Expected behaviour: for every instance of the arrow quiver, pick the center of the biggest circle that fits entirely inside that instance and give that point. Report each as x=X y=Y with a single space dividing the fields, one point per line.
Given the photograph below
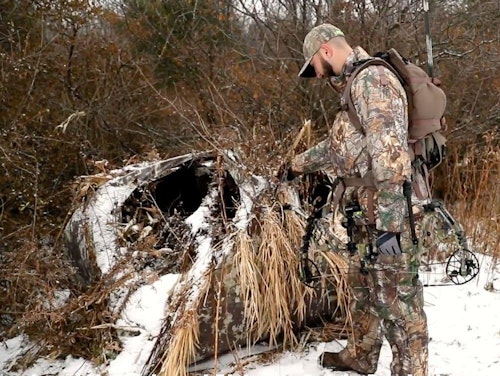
x=407 y=193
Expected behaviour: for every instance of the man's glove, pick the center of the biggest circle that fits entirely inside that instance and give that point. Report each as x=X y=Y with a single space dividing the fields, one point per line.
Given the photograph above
x=285 y=173
x=388 y=243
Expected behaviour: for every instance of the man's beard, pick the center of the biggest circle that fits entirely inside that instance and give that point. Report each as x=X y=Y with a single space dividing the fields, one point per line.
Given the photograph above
x=332 y=79
x=327 y=68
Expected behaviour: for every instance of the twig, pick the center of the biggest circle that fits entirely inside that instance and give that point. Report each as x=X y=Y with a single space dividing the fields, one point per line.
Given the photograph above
x=244 y=362
x=75 y=115
x=112 y=326
x=305 y=127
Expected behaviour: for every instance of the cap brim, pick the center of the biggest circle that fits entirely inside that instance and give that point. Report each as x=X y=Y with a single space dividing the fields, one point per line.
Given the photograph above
x=307 y=70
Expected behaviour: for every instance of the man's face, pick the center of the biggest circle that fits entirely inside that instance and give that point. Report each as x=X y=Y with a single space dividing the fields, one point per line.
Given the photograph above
x=322 y=68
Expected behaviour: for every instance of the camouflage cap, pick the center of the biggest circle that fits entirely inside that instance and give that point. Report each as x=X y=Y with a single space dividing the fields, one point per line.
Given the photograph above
x=313 y=41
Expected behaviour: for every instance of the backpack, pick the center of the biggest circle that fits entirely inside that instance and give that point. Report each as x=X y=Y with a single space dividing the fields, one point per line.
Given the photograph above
x=426 y=106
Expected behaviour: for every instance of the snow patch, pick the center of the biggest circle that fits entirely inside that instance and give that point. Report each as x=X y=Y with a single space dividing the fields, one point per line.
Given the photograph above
x=144 y=311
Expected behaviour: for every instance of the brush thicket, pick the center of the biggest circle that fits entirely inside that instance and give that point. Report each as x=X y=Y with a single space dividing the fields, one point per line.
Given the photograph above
x=475 y=198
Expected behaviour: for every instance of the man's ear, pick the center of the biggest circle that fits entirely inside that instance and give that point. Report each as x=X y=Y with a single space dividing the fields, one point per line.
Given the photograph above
x=326 y=51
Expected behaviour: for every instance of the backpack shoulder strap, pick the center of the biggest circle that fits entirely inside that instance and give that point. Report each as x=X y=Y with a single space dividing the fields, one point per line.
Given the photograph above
x=346 y=99
x=348 y=106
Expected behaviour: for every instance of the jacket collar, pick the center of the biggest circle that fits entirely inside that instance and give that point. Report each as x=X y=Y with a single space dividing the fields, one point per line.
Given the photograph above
x=338 y=83
x=356 y=55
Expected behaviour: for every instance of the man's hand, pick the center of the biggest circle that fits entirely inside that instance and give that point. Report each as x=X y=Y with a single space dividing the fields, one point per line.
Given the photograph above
x=388 y=243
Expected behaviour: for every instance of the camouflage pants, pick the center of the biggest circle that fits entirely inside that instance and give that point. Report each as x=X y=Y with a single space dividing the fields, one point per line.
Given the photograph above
x=388 y=300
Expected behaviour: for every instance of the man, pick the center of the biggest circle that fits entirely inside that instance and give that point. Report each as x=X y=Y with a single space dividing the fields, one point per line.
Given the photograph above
x=388 y=296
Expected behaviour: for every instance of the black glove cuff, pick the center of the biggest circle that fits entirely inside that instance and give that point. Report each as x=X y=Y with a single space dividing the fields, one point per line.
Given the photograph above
x=290 y=174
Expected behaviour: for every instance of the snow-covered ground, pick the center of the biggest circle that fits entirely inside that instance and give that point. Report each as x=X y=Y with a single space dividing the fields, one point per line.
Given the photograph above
x=464 y=327
x=464 y=330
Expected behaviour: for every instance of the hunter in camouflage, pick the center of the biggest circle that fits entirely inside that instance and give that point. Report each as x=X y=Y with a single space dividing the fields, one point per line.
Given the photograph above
x=388 y=296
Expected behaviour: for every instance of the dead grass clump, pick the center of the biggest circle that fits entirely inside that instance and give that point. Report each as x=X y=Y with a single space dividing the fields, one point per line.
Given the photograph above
x=337 y=276
x=245 y=260
x=473 y=191
x=268 y=263
x=182 y=346
x=280 y=289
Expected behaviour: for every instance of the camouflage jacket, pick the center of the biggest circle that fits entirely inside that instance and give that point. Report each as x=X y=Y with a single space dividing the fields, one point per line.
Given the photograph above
x=346 y=152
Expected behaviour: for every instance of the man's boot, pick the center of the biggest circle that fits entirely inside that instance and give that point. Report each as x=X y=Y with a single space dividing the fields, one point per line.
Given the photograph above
x=335 y=362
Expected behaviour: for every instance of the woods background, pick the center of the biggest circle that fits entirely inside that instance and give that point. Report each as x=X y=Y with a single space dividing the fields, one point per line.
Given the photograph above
x=88 y=85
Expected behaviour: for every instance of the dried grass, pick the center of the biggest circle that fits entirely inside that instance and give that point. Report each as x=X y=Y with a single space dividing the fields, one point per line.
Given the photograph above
x=337 y=276
x=182 y=346
x=268 y=261
x=81 y=325
x=273 y=295
x=281 y=288
x=176 y=345
x=475 y=196
x=294 y=226
x=245 y=261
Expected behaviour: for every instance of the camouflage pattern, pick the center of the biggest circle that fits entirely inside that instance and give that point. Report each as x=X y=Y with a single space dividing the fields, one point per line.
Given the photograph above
x=388 y=299
x=312 y=42
x=439 y=239
x=384 y=150
x=388 y=295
